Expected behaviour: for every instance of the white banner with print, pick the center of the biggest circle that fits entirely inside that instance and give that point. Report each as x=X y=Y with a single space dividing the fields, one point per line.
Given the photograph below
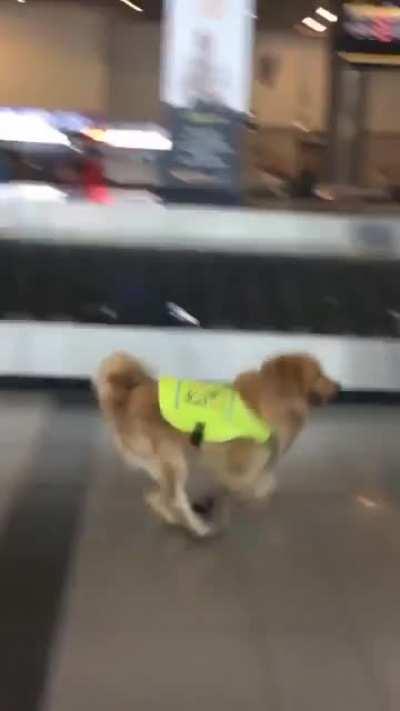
x=206 y=85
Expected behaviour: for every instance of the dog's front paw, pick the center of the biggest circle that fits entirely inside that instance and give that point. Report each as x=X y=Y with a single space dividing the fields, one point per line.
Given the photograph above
x=214 y=510
x=204 y=507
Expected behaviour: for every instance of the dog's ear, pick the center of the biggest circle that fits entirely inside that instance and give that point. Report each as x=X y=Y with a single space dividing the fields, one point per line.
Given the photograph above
x=288 y=376
x=309 y=374
x=319 y=389
x=298 y=376
x=323 y=391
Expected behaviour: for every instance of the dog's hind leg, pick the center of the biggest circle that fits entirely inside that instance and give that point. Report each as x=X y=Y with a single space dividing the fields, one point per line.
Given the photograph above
x=265 y=487
x=190 y=519
x=170 y=500
x=156 y=500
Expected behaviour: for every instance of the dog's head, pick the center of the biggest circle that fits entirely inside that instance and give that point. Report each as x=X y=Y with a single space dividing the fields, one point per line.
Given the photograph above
x=299 y=377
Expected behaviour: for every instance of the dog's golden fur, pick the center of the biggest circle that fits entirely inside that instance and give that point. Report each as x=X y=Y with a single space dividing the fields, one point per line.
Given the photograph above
x=282 y=391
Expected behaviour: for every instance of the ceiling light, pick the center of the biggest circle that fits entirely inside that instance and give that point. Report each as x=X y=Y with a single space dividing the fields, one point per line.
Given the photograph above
x=29 y=128
x=39 y=192
x=326 y=14
x=131 y=138
x=22 y=1
x=313 y=24
x=96 y=134
x=137 y=139
x=131 y=5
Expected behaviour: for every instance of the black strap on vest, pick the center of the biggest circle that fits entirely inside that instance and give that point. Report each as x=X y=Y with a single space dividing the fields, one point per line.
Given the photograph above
x=197 y=436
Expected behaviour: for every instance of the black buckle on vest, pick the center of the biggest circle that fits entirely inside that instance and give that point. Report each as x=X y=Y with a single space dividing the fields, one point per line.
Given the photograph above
x=197 y=435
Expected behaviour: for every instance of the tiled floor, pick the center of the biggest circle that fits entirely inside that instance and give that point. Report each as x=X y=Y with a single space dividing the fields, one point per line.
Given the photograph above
x=295 y=608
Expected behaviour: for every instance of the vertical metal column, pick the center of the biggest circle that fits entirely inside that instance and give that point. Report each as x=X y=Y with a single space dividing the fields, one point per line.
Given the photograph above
x=110 y=39
x=346 y=132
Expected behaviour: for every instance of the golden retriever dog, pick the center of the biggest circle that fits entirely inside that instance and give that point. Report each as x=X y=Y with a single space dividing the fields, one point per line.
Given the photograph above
x=281 y=393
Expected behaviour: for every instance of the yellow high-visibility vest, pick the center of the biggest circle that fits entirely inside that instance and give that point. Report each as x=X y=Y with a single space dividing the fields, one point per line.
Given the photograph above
x=215 y=407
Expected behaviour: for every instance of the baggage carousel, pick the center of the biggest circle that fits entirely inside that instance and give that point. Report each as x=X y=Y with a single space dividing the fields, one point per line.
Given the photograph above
x=199 y=292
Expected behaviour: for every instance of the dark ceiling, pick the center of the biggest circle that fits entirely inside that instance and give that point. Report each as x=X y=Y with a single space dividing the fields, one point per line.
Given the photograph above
x=276 y=14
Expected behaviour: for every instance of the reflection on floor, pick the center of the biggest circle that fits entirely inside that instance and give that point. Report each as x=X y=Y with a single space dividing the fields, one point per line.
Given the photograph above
x=295 y=607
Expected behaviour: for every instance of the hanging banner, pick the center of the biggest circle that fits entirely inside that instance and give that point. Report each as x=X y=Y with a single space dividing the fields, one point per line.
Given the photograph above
x=369 y=33
x=206 y=85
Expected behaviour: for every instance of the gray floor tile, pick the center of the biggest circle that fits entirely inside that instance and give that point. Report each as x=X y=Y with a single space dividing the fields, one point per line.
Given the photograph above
x=295 y=608
x=22 y=421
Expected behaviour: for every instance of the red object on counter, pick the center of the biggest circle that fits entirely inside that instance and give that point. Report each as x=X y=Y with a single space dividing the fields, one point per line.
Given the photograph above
x=93 y=182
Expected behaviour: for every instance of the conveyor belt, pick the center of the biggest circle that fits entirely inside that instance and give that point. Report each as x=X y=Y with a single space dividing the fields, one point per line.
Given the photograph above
x=222 y=291
x=199 y=292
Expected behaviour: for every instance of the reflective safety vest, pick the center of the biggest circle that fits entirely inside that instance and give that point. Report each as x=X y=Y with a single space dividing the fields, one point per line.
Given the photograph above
x=217 y=409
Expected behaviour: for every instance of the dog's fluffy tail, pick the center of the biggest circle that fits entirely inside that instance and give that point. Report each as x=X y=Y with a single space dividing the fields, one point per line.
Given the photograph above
x=118 y=376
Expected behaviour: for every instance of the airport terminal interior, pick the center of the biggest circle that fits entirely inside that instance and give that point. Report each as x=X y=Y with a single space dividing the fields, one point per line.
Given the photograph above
x=204 y=186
